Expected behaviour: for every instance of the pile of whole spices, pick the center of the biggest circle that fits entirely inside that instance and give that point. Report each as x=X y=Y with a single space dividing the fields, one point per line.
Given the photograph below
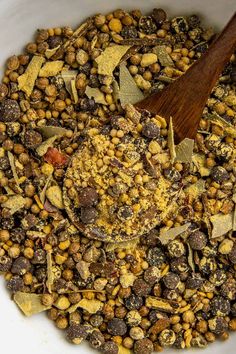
x=79 y=165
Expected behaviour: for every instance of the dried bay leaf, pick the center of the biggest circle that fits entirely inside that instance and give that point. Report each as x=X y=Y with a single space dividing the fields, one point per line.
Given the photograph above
x=129 y=91
x=27 y=80
x=110 y=58
x=199 y=161
x=51 y=68
x=190 y=258
x=42 y=195
x=196 y=189
x=50 y=52
x=234 y=219
x=169 y=235
x=30 y=304
x=50 y=130
x=184 y=150
x=42 y=149
x=50 y=276
x=13 y=169
x=163 y=57
x=171 y=143
x=14 y=203
x=74 y=92
x=96 y=94
x=221 y=224
x=54 y=195
x=92 y=306
x=68 y=76
x=116 y=91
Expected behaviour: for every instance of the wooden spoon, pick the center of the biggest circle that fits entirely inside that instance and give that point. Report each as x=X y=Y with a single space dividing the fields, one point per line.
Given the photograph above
x=185 y=99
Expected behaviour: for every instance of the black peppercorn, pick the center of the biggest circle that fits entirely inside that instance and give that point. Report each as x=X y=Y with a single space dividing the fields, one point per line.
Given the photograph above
x=197 y=240
x=156 y=257
x=76 y=333
x=17 y=235
x=143 y=346
x=133 y=302
x=32 y=139
x=171 y=280
x=54 y=41
x=141 y=288
x=147 y=25
x=217 y=325
x=219 y=174
x=116 y=327
x=4 y=163
x=15 y=284
x=109 y=348
x=150 y=130
x=129 y=32
x=87 y=197
x=9 y=111
x=220 y=306
x=96 y=339
x=21 y=266
x=39 y=257
x=5 y=263
x=193 y=21
x=172 y=174
x=218 y=277
x=88 y=215
x=159 y=16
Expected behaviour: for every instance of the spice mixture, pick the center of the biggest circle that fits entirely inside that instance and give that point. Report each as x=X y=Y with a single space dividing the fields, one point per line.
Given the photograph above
x=79 y=165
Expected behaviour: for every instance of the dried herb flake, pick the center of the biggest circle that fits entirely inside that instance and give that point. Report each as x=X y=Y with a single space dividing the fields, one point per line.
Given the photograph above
x=92 y=306
x=27 y=80
x=43 y=148
x=50 y=52
x=110 y=58
x=199 y=161
x=96 y=94
x=68 y=76
x=163 y=57
x=184 y=150
x=50 y=276
x=221 y=224
x=171 y=143
x=51 y=68
x=30 y=304
x=14 y=203
x=196 y=189
x=129 y=91
x=190 y=258
x=13 y=169
x=49 y=131
x=169 y=235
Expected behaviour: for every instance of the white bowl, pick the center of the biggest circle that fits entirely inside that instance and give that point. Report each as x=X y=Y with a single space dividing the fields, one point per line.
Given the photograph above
x=18 y=21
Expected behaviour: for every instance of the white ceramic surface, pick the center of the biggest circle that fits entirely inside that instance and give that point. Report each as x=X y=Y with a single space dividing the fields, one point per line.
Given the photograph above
x=18 y=20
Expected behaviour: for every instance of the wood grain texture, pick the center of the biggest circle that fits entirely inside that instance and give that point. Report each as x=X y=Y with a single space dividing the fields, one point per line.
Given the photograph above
x=186 y=97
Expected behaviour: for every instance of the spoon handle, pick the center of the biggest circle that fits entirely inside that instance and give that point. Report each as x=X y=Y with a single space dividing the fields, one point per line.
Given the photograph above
x=185 y=99
x=211 y=64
